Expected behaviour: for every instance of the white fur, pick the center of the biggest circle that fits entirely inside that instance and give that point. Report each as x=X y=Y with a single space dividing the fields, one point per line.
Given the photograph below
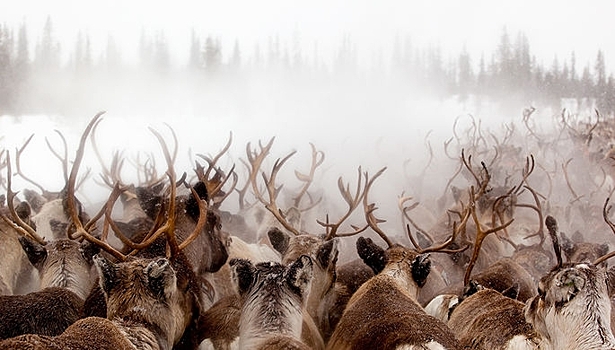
x=521 y=342
x=440 y=305
x=432 y=345
x=50 y=210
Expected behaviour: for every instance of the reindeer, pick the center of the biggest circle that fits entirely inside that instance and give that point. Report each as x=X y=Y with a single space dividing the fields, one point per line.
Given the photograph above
x=323 y=251
x=483 y=317
x=16 y=274
x=384 y=313
x=160 y=250
x=572 y=309
x=144 y=305
x=273 y=296
x=64 y=268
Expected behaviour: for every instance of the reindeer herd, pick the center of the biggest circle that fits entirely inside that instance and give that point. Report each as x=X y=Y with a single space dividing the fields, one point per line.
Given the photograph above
x=513 y=254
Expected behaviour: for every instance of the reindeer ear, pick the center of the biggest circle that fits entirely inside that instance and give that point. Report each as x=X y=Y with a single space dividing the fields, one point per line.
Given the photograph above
x=566 y=285
x=299 y=275
x=421 y=266
x=279 y=240
x=36 y=252
x=603 y=249
x=327 y=253
x=192 y=206
x=88 y=250
x=149 y=200
x=371 y=253
x=107 y=273
x=242 y=272
x=24 y=211
x=160 y=277
x=512 y=291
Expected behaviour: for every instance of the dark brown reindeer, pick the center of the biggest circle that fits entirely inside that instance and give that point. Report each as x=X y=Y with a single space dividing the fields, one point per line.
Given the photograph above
x=384 y=313
x=273 y=298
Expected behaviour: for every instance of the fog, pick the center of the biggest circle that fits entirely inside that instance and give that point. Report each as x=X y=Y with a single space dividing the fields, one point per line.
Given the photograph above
x=365 y=116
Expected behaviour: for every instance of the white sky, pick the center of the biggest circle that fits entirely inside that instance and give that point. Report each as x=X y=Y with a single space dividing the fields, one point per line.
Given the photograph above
x=553 y=27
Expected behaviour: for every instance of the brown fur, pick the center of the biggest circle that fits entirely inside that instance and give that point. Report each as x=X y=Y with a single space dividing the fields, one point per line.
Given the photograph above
x=488 y=320
x=92 y=333
x=384 y=313
x=187 y=284
x=220 y=323
x=144 y=311
x=48 y=312
x=350 y=277
x=504 y=276
x=283 y=342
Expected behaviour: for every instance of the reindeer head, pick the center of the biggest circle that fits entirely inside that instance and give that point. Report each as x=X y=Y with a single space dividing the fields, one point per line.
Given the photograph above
x=566 y=296
x=273 y=295
x=62 y=263
x=572 y=308
x=144 y=291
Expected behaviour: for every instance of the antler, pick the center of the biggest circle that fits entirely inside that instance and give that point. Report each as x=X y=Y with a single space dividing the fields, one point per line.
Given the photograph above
x=480 y=236
x=110 y=175
x=442 y=247
x=605 y=214
x=255 y=160
x=62 y=158
x=370 y=208
x=18 y=152
x=353 y=201
x=481 y=183
x=214 y=184
x=401 y=205
x=273 y=193
x=82 y=230
x=318 y=157
x=18 y=224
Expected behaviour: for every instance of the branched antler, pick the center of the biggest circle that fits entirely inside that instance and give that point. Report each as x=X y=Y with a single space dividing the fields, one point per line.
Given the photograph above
x=17 y=223
x=273 y=191
x=352 y=200
x=481 y=234
x=318 y=157
x=405 y=211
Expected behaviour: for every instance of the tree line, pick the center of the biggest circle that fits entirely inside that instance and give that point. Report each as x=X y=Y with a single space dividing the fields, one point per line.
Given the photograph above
x=42 y=82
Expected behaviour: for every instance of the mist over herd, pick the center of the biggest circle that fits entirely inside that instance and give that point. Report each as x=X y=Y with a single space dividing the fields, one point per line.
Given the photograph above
x=291 y=193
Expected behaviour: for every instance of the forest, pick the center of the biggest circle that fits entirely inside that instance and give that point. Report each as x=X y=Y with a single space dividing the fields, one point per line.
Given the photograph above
x=44 y=77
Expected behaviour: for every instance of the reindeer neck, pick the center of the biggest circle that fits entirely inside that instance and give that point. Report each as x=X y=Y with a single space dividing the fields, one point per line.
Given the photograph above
x=142 y=335
x=272 y=313
x=62 y=274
